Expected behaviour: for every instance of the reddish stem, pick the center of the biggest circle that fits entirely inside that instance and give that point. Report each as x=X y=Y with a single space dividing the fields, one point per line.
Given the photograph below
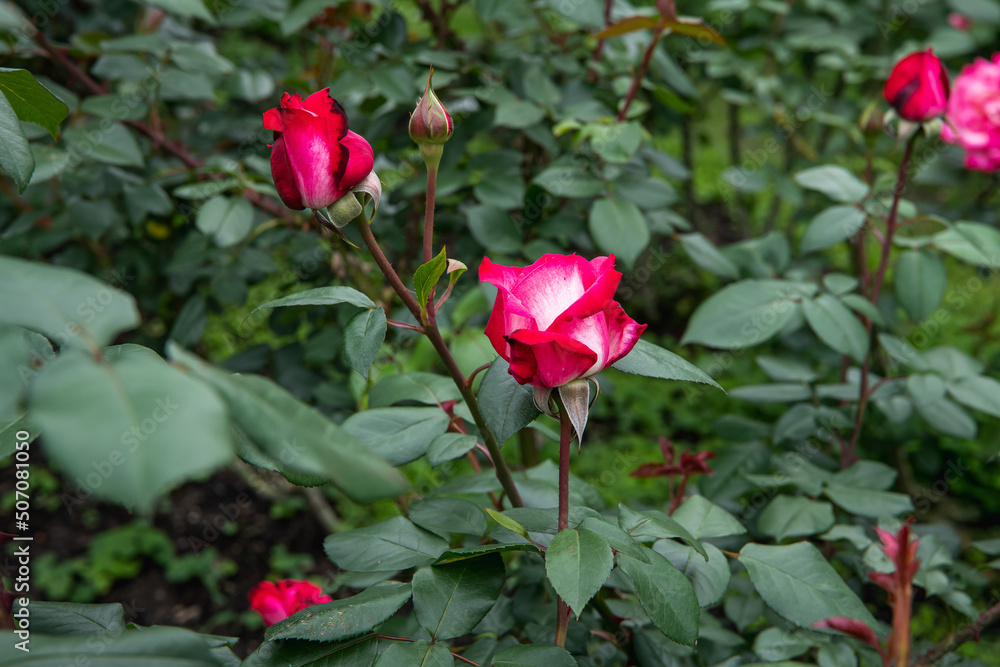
x=641 y=72
x=565 y=439
x=848 y=455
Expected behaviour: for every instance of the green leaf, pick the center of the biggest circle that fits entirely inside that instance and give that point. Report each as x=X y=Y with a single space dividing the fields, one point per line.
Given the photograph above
x=704 y=519
x=836 y=326
x=867 y=474
x=745 y=313
x=451 y=600
x=788 y=516
x=31 y=101
x=462 y=553
x=426 y=277
x=150 y=647
x=533 y=655
x=506 y=405
x=363 y=338
x=616 y=538
x=577 y=564
x=863 y=306
x=298 y=437
x=302 y=13
x=225 y=219
x=416 y=654
x=774 y=644
x=655 y=525
x=131 y=428
x=919 y=280
x=70 y=618
x=16 y=157
x=666 y=595
x=710 y=578
x=798 y=583
x=902 y=352
x=449 y=446
x=393 y=544
x=835 y=182
x=836 y=655
x=947 y=417
x=343 y=619
x=507 y=522
x=445 y=516
x=304 y=653
x=654 y=361
x=494 y=229
x=115 y=145
x=704 y=253
x=775 y=392
x=518 y=114
x=569 y=182
x=426 y=388
x=977 y=392
x=617 y=227
x=971 y=242
x=831 y=226
x=399 y=435
x=22 y=354
x=868 y=502
x=321 y=296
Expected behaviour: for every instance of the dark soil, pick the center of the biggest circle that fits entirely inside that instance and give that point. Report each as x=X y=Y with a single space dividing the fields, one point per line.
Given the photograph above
x=190 y=519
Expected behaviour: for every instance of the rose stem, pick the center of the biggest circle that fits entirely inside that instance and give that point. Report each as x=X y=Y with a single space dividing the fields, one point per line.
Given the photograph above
x=848 y=454
x=565 y=438
x=641 y=72
x=434 y=334
x=432 y=174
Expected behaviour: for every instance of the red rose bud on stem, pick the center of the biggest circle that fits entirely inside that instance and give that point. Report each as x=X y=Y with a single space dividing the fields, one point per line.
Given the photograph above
x=315 y=159
x=430 y=125
x=917 y=88
x=276 y=601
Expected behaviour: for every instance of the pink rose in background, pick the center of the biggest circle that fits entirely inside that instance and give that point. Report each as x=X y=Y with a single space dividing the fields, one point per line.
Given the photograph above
x=315 y=159
x=973 y=117
x=276 y=601
x=959 y=21
x=556 y=320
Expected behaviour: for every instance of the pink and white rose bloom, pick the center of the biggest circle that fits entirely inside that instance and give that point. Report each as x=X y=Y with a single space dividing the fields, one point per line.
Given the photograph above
x=973 y=117
x=556 y=320
x=315 y=159
x=277 y=600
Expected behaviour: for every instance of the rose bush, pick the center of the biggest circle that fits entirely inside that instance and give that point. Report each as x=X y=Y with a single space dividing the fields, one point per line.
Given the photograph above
x=315 y=159
x=556 y=320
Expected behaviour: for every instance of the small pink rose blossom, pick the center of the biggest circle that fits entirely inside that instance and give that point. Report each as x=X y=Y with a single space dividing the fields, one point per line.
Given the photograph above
x=276 y=601
x=959 y=21
x=973 y=118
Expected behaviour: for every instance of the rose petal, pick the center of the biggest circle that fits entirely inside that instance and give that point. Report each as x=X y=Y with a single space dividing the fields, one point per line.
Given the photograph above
x=284 y=181
x=546 y=359
x=623 y=332
x=546 y=294
x=360 y=161
x=315 y=161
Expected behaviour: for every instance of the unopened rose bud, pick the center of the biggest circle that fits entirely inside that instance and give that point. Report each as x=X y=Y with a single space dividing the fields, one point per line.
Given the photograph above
x=871 y=121
x=430 y=125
